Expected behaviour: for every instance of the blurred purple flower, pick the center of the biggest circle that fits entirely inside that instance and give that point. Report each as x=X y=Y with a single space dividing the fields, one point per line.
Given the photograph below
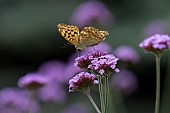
x=70 y=71
x=156 y=27
x=156 y=43
x=13 y=100
x=82 y=82
x=52 y=93
x=102 y=47
x=54 y=70
x=125 y=81
x=75 y=108
x=32 y=81
x=127 y=54
x=91 y=11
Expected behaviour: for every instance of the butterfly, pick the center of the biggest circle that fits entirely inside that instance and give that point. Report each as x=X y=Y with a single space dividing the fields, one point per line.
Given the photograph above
x=87 y=37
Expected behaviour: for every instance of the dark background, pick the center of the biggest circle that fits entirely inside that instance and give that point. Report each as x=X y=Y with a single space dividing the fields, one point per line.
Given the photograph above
x=28 y=37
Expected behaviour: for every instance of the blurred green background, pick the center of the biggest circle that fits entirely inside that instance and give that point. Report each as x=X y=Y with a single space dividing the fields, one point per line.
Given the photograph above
x=28 y=37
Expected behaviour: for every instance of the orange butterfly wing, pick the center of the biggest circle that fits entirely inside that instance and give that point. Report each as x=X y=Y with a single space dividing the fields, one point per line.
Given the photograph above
x=69 y=32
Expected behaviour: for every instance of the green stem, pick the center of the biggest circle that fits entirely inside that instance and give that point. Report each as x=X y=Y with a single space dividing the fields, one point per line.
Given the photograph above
x=31 y=97
x=106 y=93
x=101 y=94
x=157 y=101
x=93 y=103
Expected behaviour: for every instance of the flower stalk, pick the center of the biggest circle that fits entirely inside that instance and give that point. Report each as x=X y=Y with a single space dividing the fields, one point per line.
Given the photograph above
x=101 y=94
x=31 y=97
x=157 y=44
x=92 y=102
x=106 y=93
x=157 y=101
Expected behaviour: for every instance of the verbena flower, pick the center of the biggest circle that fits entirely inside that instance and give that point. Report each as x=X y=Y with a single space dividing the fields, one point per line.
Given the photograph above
x=71 y=70
x=32 y=81
x=52 y=92
x=13 y=100
x=93 y=11
x=85 y=60
x=126 y=54
x=82 y=82
x=104 y=64
x=125 y=81
x=82 y=61
x=53 y=70
x=156 y=43
x=156 y=27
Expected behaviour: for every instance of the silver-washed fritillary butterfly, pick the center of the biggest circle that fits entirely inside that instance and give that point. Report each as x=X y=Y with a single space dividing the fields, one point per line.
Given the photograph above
x=87 y=37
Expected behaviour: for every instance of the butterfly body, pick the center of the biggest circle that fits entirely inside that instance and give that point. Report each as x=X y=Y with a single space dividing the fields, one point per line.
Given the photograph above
x=87 y=37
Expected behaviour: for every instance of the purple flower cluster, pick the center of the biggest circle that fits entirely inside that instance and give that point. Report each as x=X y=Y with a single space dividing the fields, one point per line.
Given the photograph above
x=52 y=92
x=13 y=100
x=99 y=61
x=53 y=70
x=82 y=82
x=50 y=80
x=85 y=60
x=104 y=64
x=125 y=81
x=156 y=43
x=91 y=11
x=126 y=54
x=156 y=27
x=32 y=81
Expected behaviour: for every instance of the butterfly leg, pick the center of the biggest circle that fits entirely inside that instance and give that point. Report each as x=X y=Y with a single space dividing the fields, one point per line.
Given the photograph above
x=77 y=52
